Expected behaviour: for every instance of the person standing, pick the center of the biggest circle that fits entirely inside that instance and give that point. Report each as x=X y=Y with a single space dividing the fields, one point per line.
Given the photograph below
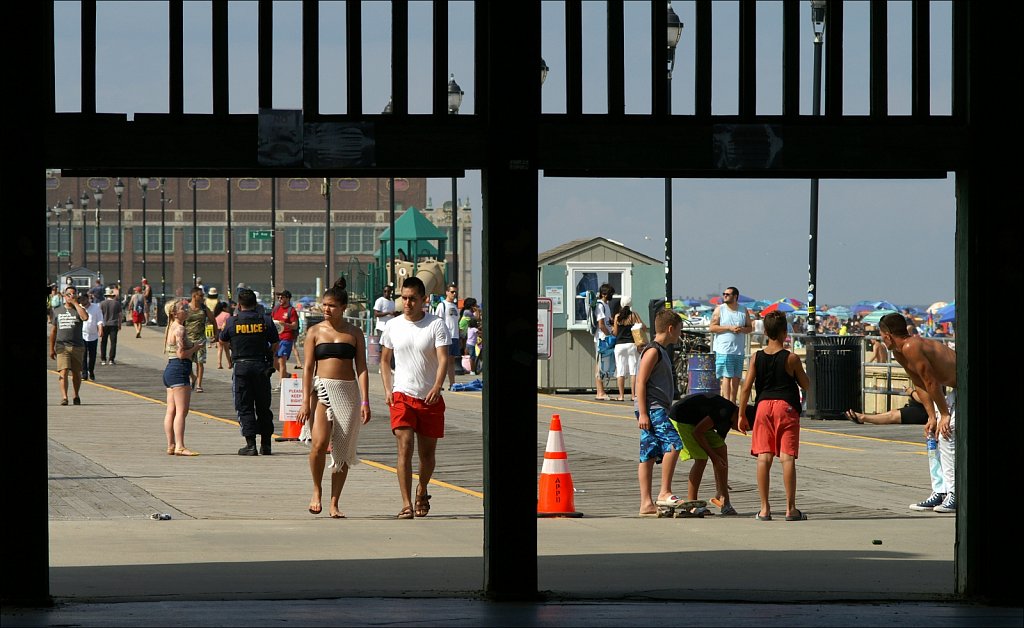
x=335 y=396
x=659 y=440
x=199 y=316
x=137 y=306
x=775 y=373
x=448 y=311
x=111 y=325
x=251 y=339
x=96 y=291
x=147 y=294
x=384 y=309
x=67 y=346
x=931 y=366
x=177 y=377
x=287 y=321
x=603 y=314
x=730 y=325
x=420 y=343
x=212 y=299
x=627 y=354
x=221 y=315
x=91 y=334
x=53 y=301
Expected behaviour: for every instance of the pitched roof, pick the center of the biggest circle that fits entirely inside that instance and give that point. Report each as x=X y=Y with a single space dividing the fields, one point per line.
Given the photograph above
x=564 y=252
x=413 y=225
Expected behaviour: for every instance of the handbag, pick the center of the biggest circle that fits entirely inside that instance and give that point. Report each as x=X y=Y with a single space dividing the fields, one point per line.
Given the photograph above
x=639 y=335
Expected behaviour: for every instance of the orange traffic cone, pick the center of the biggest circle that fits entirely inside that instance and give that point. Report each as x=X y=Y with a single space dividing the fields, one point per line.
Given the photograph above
x=291 y=429
x=556 y=491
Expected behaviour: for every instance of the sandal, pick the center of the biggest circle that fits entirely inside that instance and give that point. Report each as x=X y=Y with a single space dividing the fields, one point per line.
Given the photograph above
x=850 y=414
x=199 y=389
x=170 y=450
x=185 y=451
x=602 y=398
x=405 y=513
x=422 y=505
x=315 y=508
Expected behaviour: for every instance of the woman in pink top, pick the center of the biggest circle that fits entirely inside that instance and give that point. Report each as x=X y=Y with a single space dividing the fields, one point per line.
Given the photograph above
x=220 y=312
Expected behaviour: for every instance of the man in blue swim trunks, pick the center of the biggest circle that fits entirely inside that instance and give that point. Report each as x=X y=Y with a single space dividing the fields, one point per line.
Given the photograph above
x=730 y=324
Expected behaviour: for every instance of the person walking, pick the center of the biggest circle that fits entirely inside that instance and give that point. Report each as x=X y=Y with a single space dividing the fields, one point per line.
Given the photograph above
x=448 y=311
x=91 y=334
x=775 y=373
x=420 y=343
x=384 y=309
x=627 y=354
x=147 y=295
x=251 y=339
x=287 y=321
x=177 y=377
x=67 y=346
x=335 y=396
x=730 y=325
x=931 y=366
x=199 y=317
x=110 y=327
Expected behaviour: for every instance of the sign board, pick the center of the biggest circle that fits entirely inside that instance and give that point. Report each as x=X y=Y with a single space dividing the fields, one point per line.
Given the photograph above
x=544 y=327
x=63 y=253
x=260 y=234
x=291 y=399
x=555 y=293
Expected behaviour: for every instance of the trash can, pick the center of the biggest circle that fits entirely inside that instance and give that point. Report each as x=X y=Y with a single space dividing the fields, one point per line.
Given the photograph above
x=837 y=374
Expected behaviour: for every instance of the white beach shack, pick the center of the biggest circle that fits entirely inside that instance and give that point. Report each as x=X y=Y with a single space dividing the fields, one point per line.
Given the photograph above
x=570 y=275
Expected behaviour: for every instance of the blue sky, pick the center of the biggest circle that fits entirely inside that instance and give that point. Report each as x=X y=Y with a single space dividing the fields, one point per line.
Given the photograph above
x=878 y=239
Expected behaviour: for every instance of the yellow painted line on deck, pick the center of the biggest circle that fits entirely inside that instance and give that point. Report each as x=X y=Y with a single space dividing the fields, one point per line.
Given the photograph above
x=235 y=423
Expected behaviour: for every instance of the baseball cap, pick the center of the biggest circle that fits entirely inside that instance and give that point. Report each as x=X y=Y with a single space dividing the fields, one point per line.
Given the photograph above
x=108 y=292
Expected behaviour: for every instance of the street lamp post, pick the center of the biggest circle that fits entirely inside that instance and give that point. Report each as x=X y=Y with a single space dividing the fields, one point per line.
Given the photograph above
x=325 y=191
x=273 y=236
x=51 y=211
x=455 y=94
x=84 y=201
x=818 y=26
x=231 y=286
x=388 y=109
x=68 y=206
x=98 y=195
x=144 y=184
x=119 y=190
x=195 y=236
x=675 y=30
x=163 y=249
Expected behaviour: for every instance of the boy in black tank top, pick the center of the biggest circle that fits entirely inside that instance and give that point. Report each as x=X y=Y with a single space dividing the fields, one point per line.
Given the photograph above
x=776 y=373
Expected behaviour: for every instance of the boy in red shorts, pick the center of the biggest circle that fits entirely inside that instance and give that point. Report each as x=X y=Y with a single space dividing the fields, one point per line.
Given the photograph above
x=775 y=373
x=420 y=344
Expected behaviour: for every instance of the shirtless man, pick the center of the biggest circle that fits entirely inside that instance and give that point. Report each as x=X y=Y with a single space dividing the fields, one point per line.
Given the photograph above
x=931 y=366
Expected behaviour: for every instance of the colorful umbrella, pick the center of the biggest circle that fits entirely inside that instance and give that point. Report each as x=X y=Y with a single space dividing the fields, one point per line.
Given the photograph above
x=872 y=318
x=781 y=306
x=946 y=314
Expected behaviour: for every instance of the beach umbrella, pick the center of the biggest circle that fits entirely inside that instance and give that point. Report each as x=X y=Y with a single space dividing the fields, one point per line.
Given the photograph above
x=760 y=304
x=867 y=306
x=935 y=307
x=781 y=306
x=799 y=313
x=692 y=302
x=745 y=299
x=839 y=311
x=796 y=303
x=872 y=318
x=946 y=314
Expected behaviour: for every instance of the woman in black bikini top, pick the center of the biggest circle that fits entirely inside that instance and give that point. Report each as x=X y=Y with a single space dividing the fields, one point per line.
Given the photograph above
x=335 y=395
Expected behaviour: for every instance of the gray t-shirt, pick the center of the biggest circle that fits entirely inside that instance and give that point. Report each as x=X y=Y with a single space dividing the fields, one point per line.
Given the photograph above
x=661 y=385
x=112 y=314
x=69 y=327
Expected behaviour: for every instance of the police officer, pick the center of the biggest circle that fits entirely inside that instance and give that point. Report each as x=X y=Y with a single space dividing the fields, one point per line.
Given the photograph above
x=251 y=339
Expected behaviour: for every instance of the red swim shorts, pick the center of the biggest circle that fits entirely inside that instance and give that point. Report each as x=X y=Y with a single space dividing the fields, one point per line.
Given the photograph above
x=776 y=429
x=425 y=420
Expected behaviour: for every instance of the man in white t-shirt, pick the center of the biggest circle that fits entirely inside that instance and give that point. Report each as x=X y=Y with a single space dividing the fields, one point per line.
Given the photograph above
x=448 y=311
x=420 y=343
x=384 y=309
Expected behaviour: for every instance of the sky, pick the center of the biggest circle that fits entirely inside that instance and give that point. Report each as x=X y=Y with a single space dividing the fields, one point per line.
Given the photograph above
x=878 y=239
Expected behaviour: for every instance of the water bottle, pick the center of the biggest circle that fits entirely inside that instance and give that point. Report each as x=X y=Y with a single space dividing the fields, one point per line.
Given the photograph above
x=932 y=444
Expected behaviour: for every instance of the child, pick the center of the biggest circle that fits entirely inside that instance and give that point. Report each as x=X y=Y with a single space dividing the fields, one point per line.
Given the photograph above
x=472 y=333
x=694 y=416
x=659 y=440
x=776 y=373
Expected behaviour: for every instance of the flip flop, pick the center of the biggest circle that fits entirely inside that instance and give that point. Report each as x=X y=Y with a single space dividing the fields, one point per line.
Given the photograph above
x=315 y=511
x=671 y=502
x=603 y=398
x=764 y=518
x=850 y=414
x=798 y=516
x=650 y=515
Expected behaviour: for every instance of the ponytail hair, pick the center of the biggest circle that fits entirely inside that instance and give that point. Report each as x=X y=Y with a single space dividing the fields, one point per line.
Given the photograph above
x=338 y=291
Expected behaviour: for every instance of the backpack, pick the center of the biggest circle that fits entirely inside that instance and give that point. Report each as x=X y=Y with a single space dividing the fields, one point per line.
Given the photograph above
x=140 y=305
